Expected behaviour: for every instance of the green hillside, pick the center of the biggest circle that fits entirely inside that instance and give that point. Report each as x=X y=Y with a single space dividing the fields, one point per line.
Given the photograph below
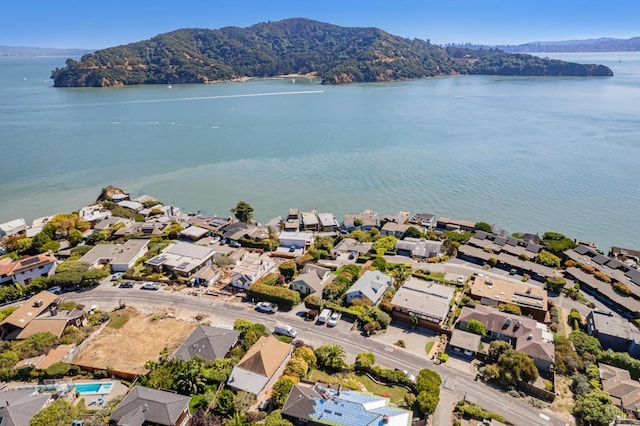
x=295 y=46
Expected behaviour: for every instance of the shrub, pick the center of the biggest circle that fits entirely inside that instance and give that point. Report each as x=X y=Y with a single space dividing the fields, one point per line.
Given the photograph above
x=492 y=261
x=57 y=370
x=555 y=284
x=401 y=343
x=510 y=308
x=313 y=302
x=588 y=269
x=548 y=259
x=284 y=297
x=602 y=276
x=622 y=288
x=444 y=357
x=569 y=263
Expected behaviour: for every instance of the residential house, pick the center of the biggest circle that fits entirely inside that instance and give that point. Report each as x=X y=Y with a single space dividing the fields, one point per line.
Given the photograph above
x=13 y=227
x=121 y=257
x=292 y=223
x=624 y=391
x=296 y=240
x=615 y=269
x=13 y=325
x=531 y=299
x=205 y=277
x=17 y=407
x=52 y=321
x=398 y=229
x=371 y=286
x=398 y=218
x=427 y=301
x=448 y=224
x=145 y=406
x=614 y=332
x=524 y=334
x=423 y=219
x=315 y=404
x=26 y=269
x=212 y=223
x=182 y=259
x=310 y=221
x=629 y=307
x=208 y=343
x=43 y=362
x=348 y=245
x=258 y=367
x=311 y=280
x=132 y=205
x=251 y=268
x=629 y=256
x=112 y=221
x=240 y=230
x=94 y=214
x=463 y=342
x=143 y=229
x=419 y=248
x=367 y=220
x=506 y=261
x=328 y=222
x=193 y=233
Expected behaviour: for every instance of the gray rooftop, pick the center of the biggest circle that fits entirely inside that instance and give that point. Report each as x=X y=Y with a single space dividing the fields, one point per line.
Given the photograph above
x=150 y=405
x=209 y=343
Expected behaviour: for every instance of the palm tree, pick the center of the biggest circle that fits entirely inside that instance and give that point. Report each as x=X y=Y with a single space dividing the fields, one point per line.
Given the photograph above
x=331 y=356
x=188 y=378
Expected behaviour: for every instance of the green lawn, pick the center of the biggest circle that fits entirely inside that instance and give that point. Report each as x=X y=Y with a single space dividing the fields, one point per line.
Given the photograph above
x=394 y=393
x=427 y=347
x=118 y=320
x=195 y=403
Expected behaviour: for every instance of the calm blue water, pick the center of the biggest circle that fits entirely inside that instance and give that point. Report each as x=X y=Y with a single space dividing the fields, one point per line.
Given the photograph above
x=528 y=154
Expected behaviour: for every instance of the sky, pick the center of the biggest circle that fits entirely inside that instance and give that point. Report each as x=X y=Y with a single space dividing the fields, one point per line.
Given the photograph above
x=97 y=25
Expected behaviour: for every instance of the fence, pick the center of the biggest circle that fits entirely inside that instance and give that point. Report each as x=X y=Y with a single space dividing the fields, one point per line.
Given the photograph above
x=83 y=345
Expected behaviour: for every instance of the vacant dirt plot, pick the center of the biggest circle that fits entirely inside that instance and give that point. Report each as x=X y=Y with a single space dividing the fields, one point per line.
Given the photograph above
x=141 y=339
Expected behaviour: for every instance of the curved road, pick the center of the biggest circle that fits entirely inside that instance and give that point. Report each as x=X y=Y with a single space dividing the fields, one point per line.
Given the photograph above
x=456 y=385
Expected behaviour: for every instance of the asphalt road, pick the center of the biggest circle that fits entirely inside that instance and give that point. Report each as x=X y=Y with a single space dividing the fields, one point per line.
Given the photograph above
x=457 y=385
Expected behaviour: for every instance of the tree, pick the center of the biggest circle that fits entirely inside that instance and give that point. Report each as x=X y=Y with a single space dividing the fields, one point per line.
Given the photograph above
x=384 y=244
x=288 y=269
x=549 y=259
x=59 y=413
x=281 y=390
x=297 y=367
x=476 y=327
x=225 y=403
x=365 y=360
x=243 y=212
x=74 y=237
x=427 y=402
x=595 y=408
x=516 y=367
x=483 y=226
x=510 y=308
x=497 y=348
x=275 y=419
x=243 y=401
x=306 y=353
x=411 y=232
x=330 y=356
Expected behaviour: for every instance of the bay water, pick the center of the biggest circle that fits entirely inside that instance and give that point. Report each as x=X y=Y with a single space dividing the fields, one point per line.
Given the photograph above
x=527 y=154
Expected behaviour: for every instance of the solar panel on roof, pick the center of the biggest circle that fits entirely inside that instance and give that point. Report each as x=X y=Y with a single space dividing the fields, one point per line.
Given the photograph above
x=156 y=261
x=30 y=261
x=582 y=249
x=529 y=295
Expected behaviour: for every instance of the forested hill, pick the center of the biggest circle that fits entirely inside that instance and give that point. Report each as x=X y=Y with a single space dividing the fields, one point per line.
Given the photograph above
x=295 y=46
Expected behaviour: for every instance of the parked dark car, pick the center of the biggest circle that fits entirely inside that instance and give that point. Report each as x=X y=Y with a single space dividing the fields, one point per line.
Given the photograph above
x=127 y=284
x=56 y=290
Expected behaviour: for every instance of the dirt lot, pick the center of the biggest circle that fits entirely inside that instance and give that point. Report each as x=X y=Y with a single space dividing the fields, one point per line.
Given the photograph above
x=141 y=339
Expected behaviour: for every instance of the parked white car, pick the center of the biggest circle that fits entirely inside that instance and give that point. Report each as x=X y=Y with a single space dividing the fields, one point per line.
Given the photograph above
x=333 y=319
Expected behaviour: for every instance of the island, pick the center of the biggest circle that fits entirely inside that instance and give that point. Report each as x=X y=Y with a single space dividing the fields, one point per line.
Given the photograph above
x=299 y=46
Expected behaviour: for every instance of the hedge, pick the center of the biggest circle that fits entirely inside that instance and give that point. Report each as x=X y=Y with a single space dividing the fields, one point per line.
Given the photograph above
x=283 y=297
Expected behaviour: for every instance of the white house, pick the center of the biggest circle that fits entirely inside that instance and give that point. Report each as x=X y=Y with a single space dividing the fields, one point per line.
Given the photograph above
x=250 y=269
x=297 y=240
x=371 y=285
x=120 y=256
x=13 y=227
x=27 y=269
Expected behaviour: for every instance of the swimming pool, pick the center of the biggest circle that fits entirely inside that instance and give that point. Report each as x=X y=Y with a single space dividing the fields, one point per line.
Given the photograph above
x=93 y=388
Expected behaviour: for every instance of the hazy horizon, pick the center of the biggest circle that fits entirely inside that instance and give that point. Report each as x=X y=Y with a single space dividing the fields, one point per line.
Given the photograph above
x=492 y=22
